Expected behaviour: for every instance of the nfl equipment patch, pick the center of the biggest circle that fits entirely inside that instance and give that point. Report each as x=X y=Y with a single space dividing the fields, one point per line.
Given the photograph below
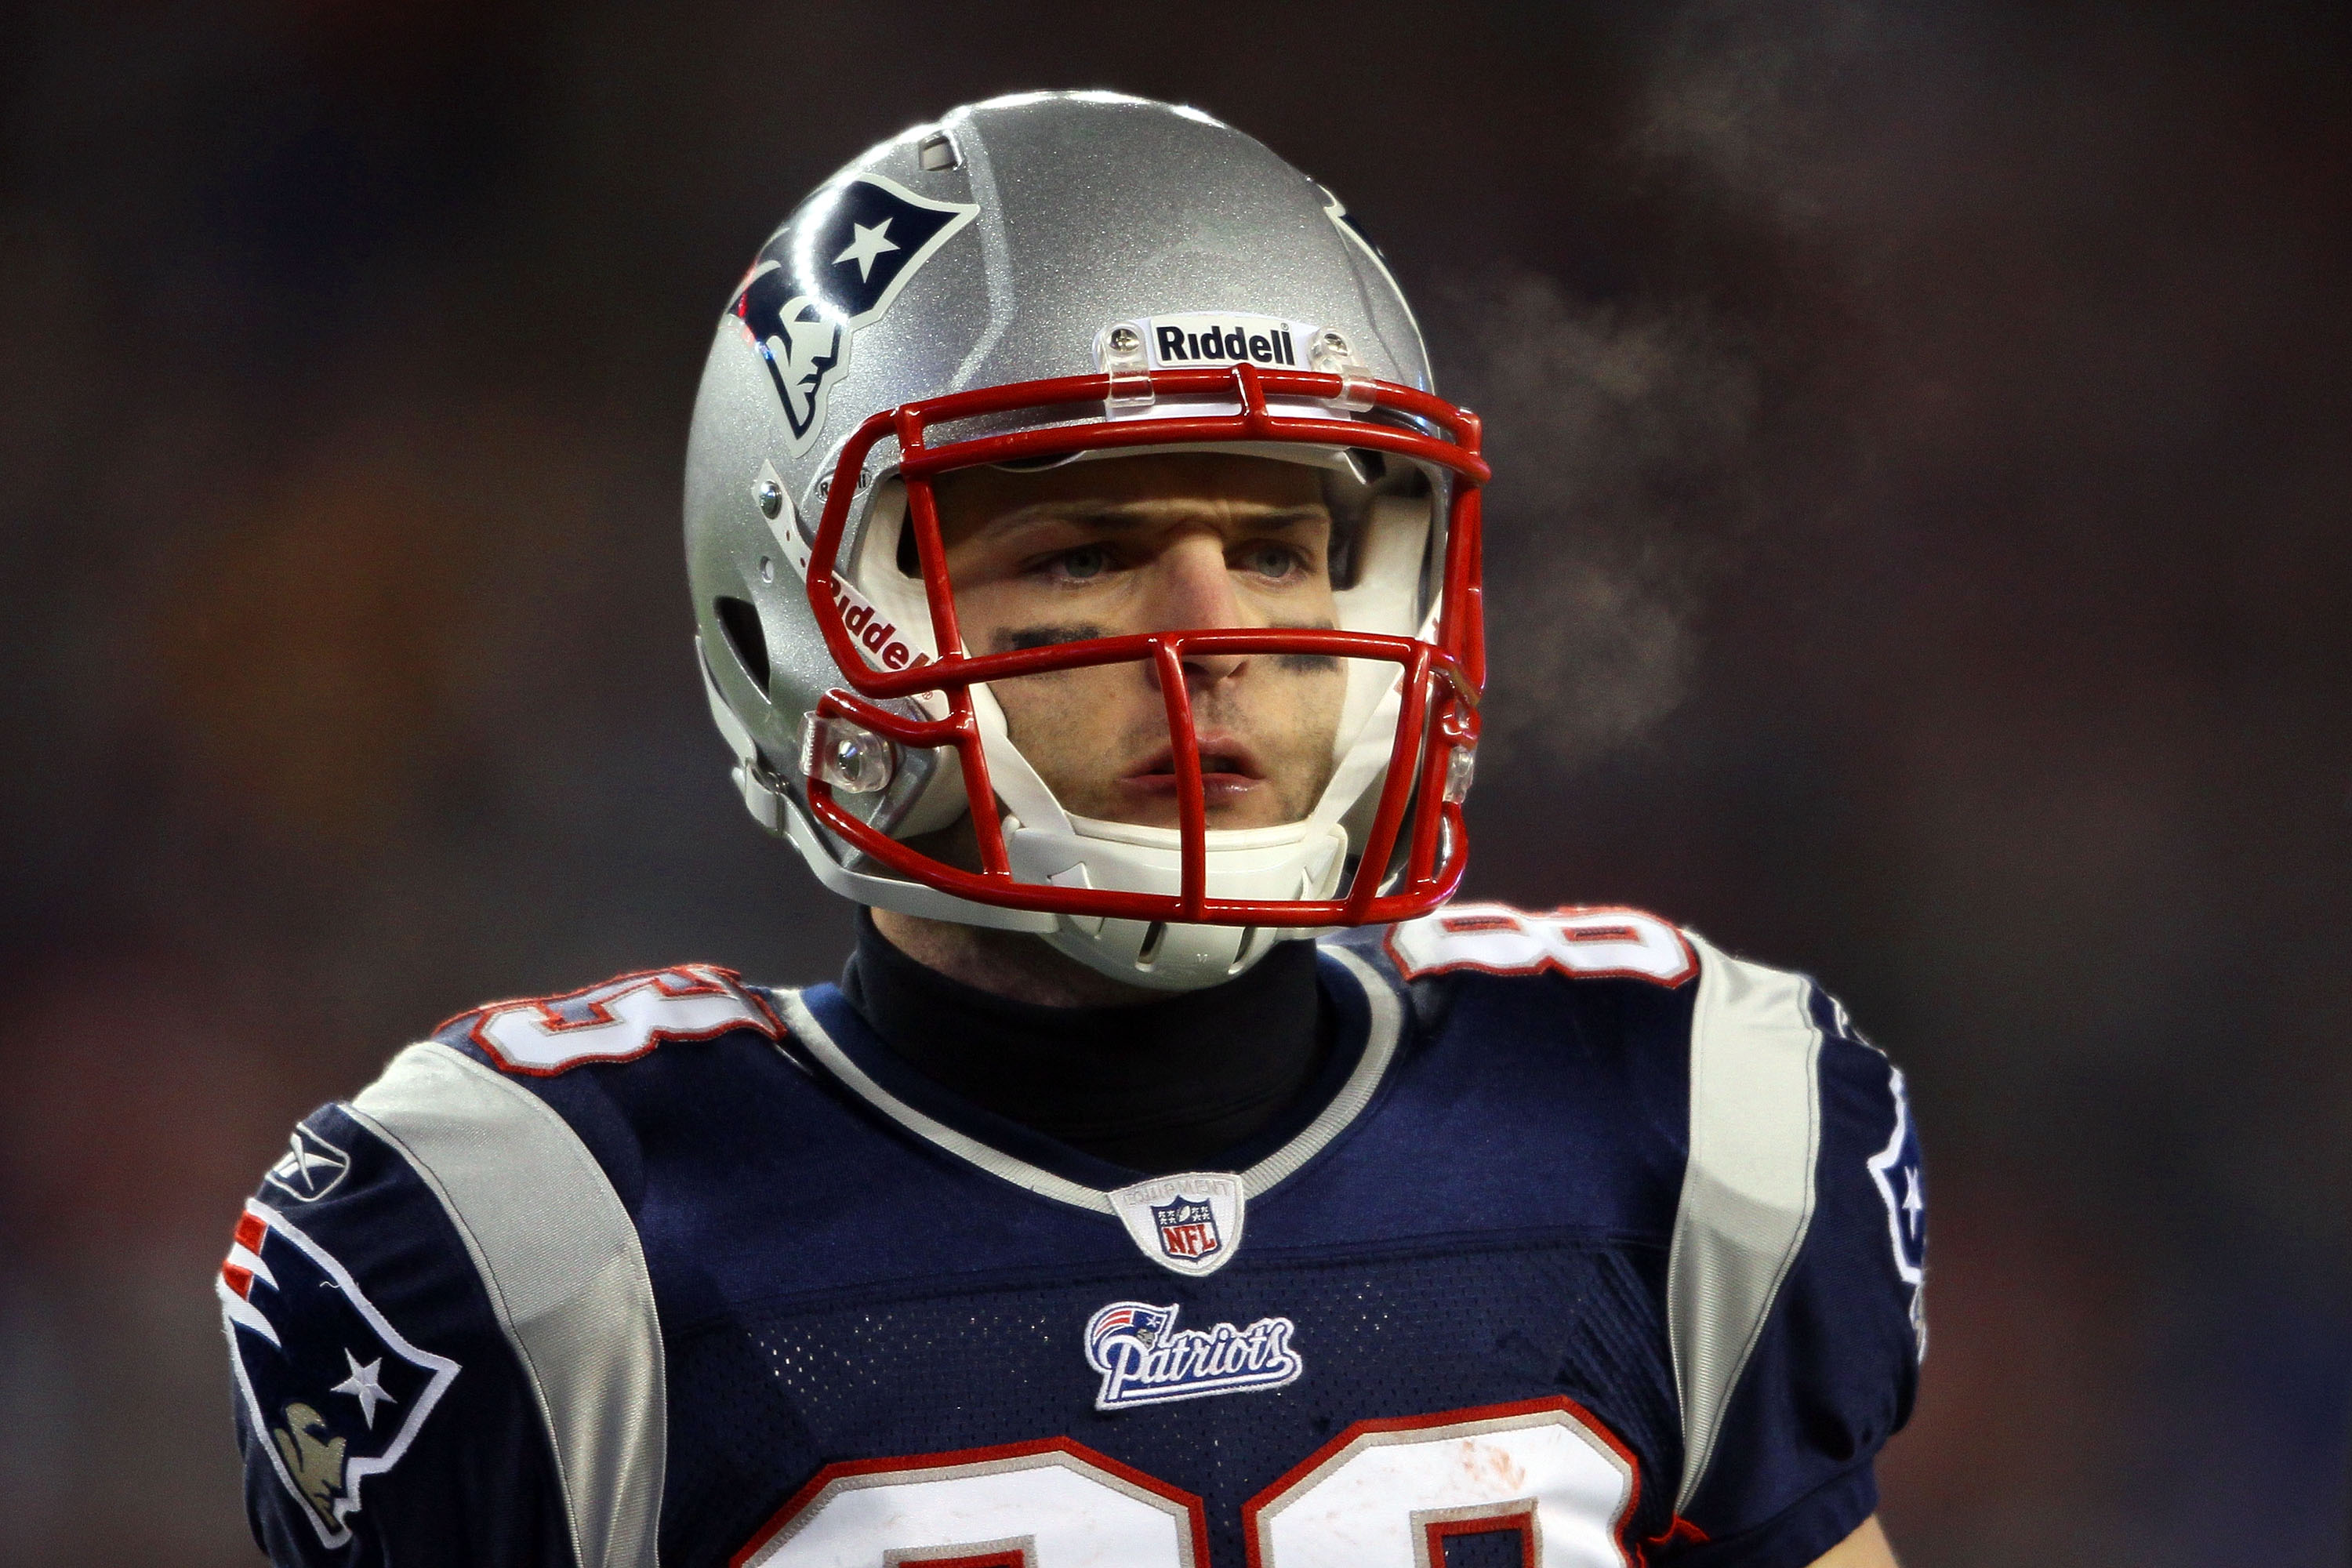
x=1191 y=1224
x=335 y=1390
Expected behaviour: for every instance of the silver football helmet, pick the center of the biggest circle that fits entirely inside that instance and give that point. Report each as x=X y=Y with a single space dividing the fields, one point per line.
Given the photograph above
x=1040 y=279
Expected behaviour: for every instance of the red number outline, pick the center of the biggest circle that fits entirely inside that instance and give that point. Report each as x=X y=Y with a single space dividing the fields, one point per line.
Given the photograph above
x=1518 y=1517
x=700 y=980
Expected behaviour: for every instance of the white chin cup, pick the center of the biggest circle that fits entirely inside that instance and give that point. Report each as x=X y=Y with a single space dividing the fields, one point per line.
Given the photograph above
x=1297 y=860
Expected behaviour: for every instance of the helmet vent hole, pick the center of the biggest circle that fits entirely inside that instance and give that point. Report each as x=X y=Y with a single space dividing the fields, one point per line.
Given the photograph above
x=740 y=622
x=908 y=564
x=938 y=152
x=1153 y=935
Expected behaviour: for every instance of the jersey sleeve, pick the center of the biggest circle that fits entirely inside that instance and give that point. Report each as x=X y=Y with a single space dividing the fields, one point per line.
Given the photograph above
x=380 y=1408
x=1834 y=1364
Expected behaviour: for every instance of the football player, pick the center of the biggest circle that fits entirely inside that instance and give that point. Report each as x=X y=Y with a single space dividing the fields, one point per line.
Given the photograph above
x=1087 y=584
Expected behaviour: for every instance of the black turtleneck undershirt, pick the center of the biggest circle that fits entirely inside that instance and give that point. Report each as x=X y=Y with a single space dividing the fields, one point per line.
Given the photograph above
x=1157 y=1087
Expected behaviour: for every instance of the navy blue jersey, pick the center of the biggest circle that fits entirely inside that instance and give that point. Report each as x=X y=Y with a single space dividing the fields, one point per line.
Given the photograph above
x=1591 y=1245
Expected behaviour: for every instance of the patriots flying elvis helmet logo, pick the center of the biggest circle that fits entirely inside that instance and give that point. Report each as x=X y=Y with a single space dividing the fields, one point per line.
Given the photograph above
x=829 y=273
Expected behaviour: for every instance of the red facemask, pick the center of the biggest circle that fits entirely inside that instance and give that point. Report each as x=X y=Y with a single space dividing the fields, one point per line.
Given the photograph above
x=1420 y=805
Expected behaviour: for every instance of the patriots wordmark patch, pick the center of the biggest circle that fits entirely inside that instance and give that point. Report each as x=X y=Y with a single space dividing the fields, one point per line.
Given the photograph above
x=1191 y=1224
x=832 y=272
x=311 y=1167
x=1145 y=1359
x=334 y=1390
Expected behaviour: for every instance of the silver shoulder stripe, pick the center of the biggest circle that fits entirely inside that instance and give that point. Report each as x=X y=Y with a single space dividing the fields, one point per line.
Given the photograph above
x=565 y=1273
x=1748 y=1188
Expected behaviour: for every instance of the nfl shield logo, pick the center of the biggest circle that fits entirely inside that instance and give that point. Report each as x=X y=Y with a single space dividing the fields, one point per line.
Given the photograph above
x=1188 y=1228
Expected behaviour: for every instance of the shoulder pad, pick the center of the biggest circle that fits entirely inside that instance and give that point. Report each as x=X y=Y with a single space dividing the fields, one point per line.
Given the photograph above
x=1582 y=942
x=616 y=1021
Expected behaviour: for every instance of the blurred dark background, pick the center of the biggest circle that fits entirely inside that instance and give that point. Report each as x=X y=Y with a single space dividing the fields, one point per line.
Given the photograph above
x=1920 y=557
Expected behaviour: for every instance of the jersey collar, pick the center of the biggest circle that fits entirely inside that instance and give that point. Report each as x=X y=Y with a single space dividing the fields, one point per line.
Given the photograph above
x=835 y=1040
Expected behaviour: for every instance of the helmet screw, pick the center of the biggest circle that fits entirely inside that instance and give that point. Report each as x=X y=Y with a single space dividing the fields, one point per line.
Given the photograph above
x=1125 y=341
x=1335 y=343
x=1460 y=767
x=770 y=497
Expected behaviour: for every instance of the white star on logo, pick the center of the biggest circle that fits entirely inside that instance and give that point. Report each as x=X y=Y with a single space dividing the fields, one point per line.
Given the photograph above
x=1911 y=1202
x=869 y=244
x=363 y=1386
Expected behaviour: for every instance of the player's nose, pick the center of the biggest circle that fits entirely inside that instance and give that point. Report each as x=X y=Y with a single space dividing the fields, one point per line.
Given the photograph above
x=1192 y=588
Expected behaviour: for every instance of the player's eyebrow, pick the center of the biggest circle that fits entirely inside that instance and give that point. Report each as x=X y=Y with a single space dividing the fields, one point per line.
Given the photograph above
x=1118 y=516
x=1014 y=639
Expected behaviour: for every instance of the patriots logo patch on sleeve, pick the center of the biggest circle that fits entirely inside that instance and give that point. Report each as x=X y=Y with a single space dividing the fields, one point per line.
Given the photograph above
x=335 y=1391
x=1896 y=1170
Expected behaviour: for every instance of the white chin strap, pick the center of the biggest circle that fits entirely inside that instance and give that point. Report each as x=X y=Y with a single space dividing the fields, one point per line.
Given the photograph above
x=1298 y=860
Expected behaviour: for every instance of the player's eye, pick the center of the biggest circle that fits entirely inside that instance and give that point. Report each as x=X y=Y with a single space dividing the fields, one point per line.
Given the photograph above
x=1271 y=561
x=1083 y=564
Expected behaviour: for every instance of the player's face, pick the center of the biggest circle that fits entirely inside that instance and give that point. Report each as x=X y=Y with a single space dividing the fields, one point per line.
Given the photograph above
x=1167 y=543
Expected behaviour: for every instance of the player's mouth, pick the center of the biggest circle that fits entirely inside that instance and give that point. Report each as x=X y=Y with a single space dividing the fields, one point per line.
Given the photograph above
x=1229 y=771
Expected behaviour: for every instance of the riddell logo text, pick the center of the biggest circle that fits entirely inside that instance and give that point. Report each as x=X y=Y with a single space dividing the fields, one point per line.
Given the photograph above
x=877 y=635
x=1266 y=343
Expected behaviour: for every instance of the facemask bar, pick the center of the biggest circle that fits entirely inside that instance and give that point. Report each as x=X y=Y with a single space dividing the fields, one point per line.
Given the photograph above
x=850 y=740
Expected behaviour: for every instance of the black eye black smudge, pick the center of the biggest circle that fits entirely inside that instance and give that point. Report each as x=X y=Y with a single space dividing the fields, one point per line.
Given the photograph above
x=1027 y=638
x=1307 y=663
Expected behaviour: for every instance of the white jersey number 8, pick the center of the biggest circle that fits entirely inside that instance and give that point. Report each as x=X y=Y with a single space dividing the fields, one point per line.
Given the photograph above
x=1382 y=1494
x=1582 y=943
